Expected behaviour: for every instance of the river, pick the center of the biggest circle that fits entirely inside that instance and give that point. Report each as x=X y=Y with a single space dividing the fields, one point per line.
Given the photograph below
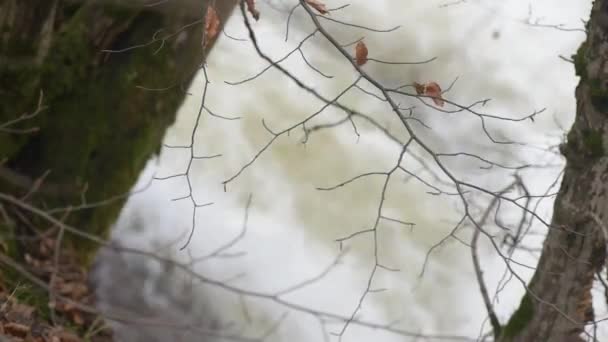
x=507 y=51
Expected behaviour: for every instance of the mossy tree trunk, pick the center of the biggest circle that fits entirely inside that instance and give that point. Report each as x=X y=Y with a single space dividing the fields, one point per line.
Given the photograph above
x=104 y=113
x=558 y=303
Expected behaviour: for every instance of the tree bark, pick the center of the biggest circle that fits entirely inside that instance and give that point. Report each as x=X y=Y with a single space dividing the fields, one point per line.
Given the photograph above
x=103 y=114
x=558 y=305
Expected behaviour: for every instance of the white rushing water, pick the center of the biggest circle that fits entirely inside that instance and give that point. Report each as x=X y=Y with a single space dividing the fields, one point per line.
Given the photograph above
x=292 y=227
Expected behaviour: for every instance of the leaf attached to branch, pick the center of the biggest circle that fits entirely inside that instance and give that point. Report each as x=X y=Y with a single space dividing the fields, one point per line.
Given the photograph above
x=318 y=5
x=431 y=89
x=251 y=8
x=361 y=53
x=212 y=25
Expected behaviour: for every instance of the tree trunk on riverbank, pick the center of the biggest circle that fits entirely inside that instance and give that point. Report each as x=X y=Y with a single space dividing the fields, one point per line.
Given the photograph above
x=558 y=303
x=87 y=91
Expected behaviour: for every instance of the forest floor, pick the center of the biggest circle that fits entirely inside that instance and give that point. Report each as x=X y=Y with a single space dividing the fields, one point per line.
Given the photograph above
x=63 y=316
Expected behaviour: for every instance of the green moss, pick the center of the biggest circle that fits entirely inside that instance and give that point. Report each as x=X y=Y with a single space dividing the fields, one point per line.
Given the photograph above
x=599 y=95
x=599 y=91
x=69 y=62
x=114 y=126
x=20 y=86
x=29 y=294
x=99 y=129
x=110 y=139
x=582 y=145
x=520 y=318
x=23 y=291
x=580 y=63
x=593 y=142
x=118 y=11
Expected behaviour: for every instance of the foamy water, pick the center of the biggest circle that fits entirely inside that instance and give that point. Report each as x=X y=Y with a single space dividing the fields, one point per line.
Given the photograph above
x=292 y=227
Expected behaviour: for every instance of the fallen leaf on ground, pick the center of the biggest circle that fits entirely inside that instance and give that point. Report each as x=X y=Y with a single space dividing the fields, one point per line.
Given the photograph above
x=16 y=329
x=251 y=8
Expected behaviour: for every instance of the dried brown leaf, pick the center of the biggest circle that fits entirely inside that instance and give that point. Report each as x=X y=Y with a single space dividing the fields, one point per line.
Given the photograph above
x=419 y=88
x=16 y=329
x=212 y=25
x=431 y=89
x=361 y=53
x=434 y=90
x=64 y=336
x=318 y=5
x=77 y=318
x=251 y=8
x=24 y=312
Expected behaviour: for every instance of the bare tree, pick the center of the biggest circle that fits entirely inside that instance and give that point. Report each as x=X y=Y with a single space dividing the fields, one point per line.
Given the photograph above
x=120 y=92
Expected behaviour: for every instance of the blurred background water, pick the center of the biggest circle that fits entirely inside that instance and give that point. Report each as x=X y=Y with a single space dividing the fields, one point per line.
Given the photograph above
x=506 y=51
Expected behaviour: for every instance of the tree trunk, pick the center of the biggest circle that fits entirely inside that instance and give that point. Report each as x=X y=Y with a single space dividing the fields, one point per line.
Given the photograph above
x=103 y=113
x=558 y=301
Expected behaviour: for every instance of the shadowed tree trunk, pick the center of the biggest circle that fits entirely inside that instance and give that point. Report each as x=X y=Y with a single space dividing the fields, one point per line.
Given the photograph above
x=558 y=301
x=103 y=113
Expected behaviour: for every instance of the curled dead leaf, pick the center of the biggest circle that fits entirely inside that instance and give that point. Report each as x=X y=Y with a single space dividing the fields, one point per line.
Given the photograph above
x=16 y=329
x=62 y=335
x=77 y=318
x=318 y=5
x=251 y=9
x=434 y=90
x=361 y=53
x=212 y=25
x=20 y=312
x=419 y=88
x=431 y=89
